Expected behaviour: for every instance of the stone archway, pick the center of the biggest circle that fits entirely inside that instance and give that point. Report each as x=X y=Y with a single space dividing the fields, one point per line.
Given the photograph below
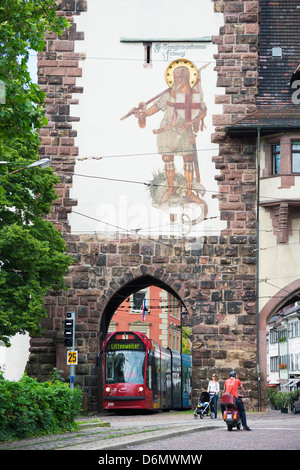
x=282 y=298
x=128 y=288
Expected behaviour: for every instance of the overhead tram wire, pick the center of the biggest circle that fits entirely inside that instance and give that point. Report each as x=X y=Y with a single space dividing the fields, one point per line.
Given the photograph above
x=149 y=184
x=144 y=236
x=166 y=186
x=281 y=288
x=119 y=180
x=126 y=231
x=136 y=231
x=146 y=154
x=140 y=154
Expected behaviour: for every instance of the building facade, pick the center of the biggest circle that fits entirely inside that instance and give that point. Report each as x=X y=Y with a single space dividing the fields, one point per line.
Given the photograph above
x=163 y=124
x=283 y=349
x=154 y=312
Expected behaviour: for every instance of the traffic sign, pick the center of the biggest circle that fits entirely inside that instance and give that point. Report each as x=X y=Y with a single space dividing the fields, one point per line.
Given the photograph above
x=72 y=358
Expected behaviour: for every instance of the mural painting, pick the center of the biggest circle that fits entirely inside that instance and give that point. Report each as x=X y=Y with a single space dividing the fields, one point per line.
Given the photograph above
x=184 y=112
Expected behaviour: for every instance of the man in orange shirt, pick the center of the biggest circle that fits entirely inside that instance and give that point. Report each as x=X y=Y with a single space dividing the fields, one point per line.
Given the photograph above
x=231 y=386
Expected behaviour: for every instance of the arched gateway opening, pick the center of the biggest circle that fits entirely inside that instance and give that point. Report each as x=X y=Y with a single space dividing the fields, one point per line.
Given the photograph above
x=148 y=305
x=124 y=292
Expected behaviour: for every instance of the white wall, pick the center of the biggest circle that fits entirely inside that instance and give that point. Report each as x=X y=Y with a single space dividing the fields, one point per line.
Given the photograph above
x=13 y=360
x=115 y=80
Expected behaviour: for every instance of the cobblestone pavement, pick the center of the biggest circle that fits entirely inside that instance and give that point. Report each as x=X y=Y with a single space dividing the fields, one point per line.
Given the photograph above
x=170 y=430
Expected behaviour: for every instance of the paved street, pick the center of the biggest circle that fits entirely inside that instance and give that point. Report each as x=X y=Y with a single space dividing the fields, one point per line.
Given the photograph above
x=263 y=436
x=171 y=431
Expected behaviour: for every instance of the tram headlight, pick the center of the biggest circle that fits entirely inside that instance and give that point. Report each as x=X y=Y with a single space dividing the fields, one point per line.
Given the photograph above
x=140 y=390
x=108 y=390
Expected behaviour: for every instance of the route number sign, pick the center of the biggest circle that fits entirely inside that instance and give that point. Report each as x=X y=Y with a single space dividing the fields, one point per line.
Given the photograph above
x=72 y=358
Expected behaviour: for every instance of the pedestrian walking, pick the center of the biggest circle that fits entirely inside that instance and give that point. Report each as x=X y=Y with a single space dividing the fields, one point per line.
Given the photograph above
x=214 y=389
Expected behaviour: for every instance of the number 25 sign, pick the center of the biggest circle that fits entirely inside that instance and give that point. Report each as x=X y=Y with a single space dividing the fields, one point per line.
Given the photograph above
x=72 y=358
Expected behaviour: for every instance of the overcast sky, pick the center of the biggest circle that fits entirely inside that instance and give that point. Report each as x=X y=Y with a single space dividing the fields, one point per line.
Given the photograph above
x=32 y=65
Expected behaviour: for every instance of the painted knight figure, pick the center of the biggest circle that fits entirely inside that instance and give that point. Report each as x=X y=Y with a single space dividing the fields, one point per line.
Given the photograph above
x=184 y=112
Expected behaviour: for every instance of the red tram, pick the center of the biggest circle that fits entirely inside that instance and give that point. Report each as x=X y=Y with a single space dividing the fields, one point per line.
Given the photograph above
x=141 y=374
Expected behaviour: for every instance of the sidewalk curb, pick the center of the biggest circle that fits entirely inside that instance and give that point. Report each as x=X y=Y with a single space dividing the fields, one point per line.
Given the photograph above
x=124 y=442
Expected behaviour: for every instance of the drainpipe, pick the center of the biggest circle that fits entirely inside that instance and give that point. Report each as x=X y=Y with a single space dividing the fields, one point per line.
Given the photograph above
x=257 y=266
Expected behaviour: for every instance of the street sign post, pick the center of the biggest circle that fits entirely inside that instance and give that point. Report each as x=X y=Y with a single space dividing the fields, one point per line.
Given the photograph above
x=69 y=342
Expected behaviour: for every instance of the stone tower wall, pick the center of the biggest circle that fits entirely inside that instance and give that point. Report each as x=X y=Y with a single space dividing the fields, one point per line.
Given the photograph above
x=216 y=281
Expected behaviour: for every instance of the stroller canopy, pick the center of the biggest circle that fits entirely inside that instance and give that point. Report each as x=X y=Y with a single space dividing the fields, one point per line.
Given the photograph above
x=204 y=397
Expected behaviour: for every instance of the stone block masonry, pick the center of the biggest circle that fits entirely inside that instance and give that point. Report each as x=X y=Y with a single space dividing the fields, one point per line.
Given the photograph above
x=217 y=282
x=58 y=68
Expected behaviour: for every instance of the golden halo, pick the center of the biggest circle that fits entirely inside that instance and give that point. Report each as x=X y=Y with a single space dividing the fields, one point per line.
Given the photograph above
x=169 y=75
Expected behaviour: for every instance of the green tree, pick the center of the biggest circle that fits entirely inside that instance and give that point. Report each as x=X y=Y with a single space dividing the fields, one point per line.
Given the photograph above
x=186 y=340
x=32 y=251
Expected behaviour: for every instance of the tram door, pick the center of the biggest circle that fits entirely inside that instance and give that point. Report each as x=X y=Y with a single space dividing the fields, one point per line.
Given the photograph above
x=166 y=378
x=176 y=379
x=154 y=357
x=186 y=381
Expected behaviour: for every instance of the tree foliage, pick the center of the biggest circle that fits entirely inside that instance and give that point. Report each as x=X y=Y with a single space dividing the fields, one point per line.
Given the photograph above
x=186 y=340
x=32 y=251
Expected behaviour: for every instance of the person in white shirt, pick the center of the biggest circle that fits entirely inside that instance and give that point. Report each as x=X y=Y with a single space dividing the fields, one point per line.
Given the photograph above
x=213 y=389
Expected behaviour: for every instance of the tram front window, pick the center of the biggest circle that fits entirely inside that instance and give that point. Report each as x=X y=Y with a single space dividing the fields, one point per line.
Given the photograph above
x=125 y=367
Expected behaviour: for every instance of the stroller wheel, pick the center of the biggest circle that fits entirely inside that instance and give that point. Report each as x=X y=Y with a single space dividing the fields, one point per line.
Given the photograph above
x=201 y=415
x=212 y=415
x=195 y=416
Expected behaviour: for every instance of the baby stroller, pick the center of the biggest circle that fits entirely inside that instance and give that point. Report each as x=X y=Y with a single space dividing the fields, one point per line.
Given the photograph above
x=204 y=406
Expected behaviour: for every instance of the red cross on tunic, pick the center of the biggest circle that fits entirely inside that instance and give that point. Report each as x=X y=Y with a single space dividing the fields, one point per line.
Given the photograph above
x=188 y=105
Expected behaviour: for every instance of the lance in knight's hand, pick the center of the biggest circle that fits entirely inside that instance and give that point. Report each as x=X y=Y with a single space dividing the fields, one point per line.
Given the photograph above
x=142 y=106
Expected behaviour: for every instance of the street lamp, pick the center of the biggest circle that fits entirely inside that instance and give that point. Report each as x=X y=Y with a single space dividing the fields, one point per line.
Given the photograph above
x=43 y=163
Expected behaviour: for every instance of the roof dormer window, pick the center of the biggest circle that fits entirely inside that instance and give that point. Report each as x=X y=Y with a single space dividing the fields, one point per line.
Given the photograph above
x=277 y=52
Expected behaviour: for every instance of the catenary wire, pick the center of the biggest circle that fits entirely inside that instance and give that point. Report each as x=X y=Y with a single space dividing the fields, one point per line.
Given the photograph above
x=149 y=238
x=119 y=180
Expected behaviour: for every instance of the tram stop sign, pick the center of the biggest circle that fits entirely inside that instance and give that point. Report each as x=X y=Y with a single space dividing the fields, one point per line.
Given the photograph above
x=72 y=358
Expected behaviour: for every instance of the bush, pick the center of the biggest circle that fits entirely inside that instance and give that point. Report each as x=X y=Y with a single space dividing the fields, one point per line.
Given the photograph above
x=295 y=396
x=282 y=399
x=29 y=408
x=271 y=395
